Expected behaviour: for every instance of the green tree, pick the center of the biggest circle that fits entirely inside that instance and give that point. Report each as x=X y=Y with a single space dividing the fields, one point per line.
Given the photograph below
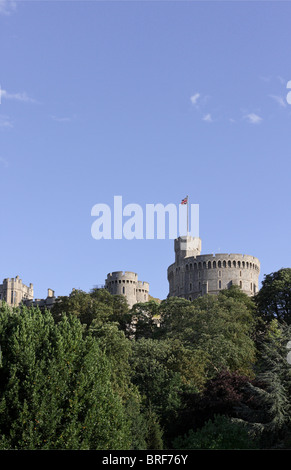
x=272 y=390
x=221 y=326
x=274 y=298
x=220 y=433
x=55 y=386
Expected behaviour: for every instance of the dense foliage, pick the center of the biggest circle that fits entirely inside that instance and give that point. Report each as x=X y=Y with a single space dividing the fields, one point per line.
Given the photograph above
x=92 y=374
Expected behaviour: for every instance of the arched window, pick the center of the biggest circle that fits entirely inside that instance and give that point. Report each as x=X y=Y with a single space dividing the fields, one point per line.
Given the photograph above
x=238 y=264
x=219 y=284
x=219 y=264
x=123 y=290
x=190 y=287
x=209 y=264
x=234 y=264
x=224 y=264
x=240 y=284
x=229 y=264
x=199 y=265
x=204 y=264
x=214 y=264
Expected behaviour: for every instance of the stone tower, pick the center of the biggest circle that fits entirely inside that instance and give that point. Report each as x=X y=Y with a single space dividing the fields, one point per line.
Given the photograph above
x=126 y=283
x=193 y=274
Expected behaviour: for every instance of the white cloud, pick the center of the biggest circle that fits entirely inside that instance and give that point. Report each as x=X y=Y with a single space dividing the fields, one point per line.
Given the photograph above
x=7 y=7
x=195 y=98
x=16 y=96
x=5 y=122
x=253 y=118
x=207 y=118
x=279 y=99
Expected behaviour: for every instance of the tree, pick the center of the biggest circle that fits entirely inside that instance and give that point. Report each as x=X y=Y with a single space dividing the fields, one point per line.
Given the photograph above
x=219 y=433
x=220 y=326
x=272 y=390
x=55 y=386
x=274 y=298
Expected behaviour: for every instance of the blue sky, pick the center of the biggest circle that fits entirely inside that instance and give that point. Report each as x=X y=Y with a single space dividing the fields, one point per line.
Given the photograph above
x=150 y=100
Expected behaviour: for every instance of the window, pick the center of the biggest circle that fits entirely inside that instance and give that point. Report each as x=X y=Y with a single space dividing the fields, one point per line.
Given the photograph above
x=240 y=284
x=219 y=284
x=123 y=290
x=219 y=273
x=209 y=264
x=224 y=264
x=214 y=264
x=190 y=287
x=219 y=264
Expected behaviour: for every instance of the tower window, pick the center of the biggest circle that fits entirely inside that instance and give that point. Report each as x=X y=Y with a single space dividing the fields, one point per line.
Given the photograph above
x=219 y=284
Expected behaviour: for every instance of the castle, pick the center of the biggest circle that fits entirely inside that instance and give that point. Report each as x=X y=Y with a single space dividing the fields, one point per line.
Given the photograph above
x=190 y=276
x=14 y=293
x=193 y=274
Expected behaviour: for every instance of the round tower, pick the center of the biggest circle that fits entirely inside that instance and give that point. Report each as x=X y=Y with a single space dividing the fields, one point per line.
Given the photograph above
x=126 y=283
x=192 y=276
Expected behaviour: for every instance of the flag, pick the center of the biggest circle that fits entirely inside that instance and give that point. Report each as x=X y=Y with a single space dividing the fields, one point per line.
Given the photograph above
x=185 y=200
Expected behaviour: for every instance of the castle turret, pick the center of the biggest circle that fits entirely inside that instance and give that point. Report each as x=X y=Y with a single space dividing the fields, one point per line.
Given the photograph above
x=126 y=283
x=187 y=246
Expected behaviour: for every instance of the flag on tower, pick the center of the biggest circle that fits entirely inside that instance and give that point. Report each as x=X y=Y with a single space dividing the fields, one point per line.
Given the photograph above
x=185 y=200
